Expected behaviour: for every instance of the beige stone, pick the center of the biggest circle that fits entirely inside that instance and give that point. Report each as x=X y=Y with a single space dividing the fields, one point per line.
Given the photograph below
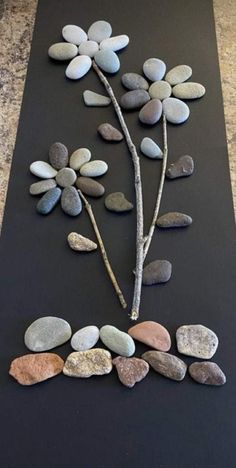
x=80 y=243
x=95 y=361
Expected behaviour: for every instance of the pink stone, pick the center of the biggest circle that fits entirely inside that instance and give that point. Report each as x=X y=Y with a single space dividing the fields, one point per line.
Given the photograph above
x=152 y=334
x=130 y=370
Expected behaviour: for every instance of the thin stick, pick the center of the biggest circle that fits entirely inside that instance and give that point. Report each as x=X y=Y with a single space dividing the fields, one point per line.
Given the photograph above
x=139 y=197
x=160 y=191
x=103 y=251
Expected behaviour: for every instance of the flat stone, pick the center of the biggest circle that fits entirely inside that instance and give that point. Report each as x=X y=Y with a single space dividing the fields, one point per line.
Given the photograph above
x=115 y=43
x=134 y=99
x=154 y=69
x=175 y=110
x=90 y=187
x=166 y=364
x=47 y=333
x=109 y=133
x=58 y=155
x=152 y=334
x=160 y=90
x=79 y=158
x=43 y=170
x=157 y=272
x=42 y=186
x=78 y=67
x=74 y=34
x=182 y=167
x=150 y=149
x=34 y=368
x=88 y=48
x=66 y=177
x=117 y=341
x=130 y=370
x=95 y=99
x=117 y=202
x=107 y=60
x=189 y=90
x=150 y=114
x=62 y=51
x=85 y=338
x=99 y=31
x=80 y=243
x=174 y=220
x=134 y=81
x=178 y=74
x=197 y=341
x=86 y=363
x=94 y=168
x=48 y=201
x=70 y=201
x=208 y=373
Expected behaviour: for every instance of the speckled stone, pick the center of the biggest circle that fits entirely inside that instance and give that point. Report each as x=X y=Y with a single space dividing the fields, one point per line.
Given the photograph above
x=115 y=43
x=70 y=201
x=88 y=48
x=87 y=363
x=134 y=99
x=134 y=81
x=78 y=67
x=160 y=90
x=189 y=90
x=58 y=155
x=117 y=202
x=46 y=333
x=90 y=187
x=99 y=31
x=34 y=368
x=130 y=370
x=182 y=167
x=43 y=170
x=150 y=114
x=174 y=220
x=178 y=74
x=48 y=201
x=196 y=340
x=157 y=272
x=79 y=158
x=109 y=133
x=166 y=364
x=107 y=60
x=80 y=243
x=117 y=341
x=74 y=34
x=95 y=100
x=42 y=186
x=175 y=110
x=150 y=149
x=154 y=69
x=85 y=338
x=66 y=177
x=207 y=373
x=94 y=168
x=152 y=334
x=62 y=51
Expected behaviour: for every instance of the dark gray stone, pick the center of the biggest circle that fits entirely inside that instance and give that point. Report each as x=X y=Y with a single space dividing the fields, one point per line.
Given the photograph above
x=166 y=364
x=117 y=202
x=150 y=114
x=134 y=99
x=174 y=220
x=49 y=201
x=156 y=272
x=58 y=155
x=70 y=201
x=182 y=167
x=207 y=373
x=134 y=81
x=90 y=187
x=109 y=133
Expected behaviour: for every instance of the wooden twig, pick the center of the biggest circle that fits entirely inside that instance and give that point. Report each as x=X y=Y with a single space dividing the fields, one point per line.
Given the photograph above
x=139 y=197
x=103 y=250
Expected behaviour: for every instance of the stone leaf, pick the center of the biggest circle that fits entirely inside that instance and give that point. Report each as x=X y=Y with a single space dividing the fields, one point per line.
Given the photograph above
x=117 y=202
x=83 y=364
x=196 y=340
x=182 y=167
x=130 y=370
x=109 y=133
x=156 y=272
x=152 y=334
x=80 y=243
x=174 y=220
x=166 y=364
x=34 y=368
x=94 y=99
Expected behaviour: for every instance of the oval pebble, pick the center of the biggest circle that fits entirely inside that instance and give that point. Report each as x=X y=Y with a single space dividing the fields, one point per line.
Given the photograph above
x=154 y=69
x=90 y=187
x=130 y=370
x=42 y=186
x=115 y=43
x=79 y=157
x=134 y=99
x=207 y=373
x=166 y=364
x=178 y=74
x=74 y=34
x=47 y=333
x=58 y=155
x=196 y=340
x=42 y=169
x=175 y=110
x=80 y=243
x=117 y=341
x=150 y=149
x=152 y=334
x=94 y=168
x=34 y=368
x=157 y=272
x=88 y=48
x=174 y=220
x=94 y=99
x=150 y=114
x=49 y=201
x=109 y=133
x=107 y=60
x=182 y=167
x=78 y=67
x=86 y=363
x=62 y=51
x=85 y=338
x=134 y=81
x=66 y=177
x=189 y=90
x=70 y=201
x=160 y=90
x=99 y=31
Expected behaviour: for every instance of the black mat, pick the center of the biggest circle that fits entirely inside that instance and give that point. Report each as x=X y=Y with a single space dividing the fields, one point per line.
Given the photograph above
x=98 y=423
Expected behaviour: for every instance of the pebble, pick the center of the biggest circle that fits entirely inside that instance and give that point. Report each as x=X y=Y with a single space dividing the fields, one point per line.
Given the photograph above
x=151 y=112
x=109 y=133
x=189 y=91
x=160 y=90
x=178 y=74
x=47 y=333
x=115 y=43
x=197 y=341
x=94 y=168
x=34 y=368
x=95 y=99
x=152 y=334
x=99 y=31
x=70 y=201
x=154 y=69
x=166 y=364
x=174 y=220
x=66 y=177
x=90 y=187
x=86 y=363
x=80 y=243
x=208 y=373
x=74 y=34
x=58 y=155
x=79 y=158
x=117 y=202
x=48 y=201
x=85 y=338
x=175 y=110
x=117 y=341
x=156 y=272
x=42 y=186
x=107 y=60
x=78 y=67
x=182 y=167
x=88 y=48
x=42 y=169
x=150 y=149
x=62 y=51
x=134 y=99
x=134 y=81
x=130 y=370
